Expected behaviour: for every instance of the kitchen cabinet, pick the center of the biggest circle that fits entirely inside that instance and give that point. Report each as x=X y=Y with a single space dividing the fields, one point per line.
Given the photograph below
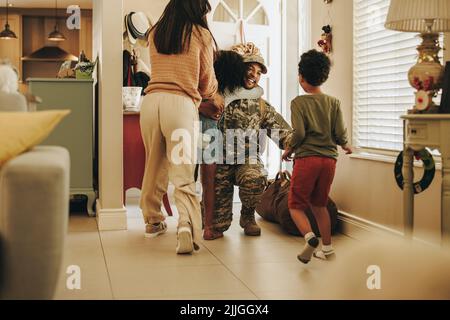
x=86 y=34
x=32 y=27
x=76 y=132
x=35 y=32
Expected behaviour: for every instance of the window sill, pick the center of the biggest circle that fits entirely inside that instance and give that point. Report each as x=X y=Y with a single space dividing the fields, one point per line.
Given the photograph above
x=391 y=159
x=371 y=156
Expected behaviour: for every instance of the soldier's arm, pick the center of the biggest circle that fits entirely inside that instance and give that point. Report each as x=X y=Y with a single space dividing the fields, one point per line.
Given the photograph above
x=277 y=128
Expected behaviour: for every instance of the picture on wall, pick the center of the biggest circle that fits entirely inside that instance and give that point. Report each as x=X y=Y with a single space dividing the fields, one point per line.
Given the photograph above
x=445 y=101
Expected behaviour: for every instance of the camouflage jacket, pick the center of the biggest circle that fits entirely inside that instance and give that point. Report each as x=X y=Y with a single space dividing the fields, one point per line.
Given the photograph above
x=244 y=127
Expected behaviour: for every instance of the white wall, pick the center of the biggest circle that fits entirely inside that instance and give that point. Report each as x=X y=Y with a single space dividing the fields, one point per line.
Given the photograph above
x=107 y=39
x=291 y=55
x=366 y=188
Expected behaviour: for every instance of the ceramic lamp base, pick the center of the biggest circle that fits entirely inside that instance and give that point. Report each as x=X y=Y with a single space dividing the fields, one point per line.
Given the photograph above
x=427 y=75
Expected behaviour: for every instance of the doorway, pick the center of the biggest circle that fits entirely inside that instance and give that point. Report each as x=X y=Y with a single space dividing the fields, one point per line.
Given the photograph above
x=257 y=21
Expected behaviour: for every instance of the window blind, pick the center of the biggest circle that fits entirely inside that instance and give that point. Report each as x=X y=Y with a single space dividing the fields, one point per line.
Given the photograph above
x=382 y=93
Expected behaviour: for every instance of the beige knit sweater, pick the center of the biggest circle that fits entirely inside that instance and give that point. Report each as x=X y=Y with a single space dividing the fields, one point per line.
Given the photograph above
x=189 y=74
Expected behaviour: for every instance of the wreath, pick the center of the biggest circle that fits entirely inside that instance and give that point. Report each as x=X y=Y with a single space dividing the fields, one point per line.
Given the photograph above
x=428 y=174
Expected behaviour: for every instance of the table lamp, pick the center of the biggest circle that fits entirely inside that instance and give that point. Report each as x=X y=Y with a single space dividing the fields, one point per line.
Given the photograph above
x=427 y=17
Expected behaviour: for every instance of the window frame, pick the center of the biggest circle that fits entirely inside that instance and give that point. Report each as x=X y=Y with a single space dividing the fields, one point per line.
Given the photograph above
x=365 y=152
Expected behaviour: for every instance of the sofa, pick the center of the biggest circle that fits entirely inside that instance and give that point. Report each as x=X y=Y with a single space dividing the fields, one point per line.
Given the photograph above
x=34 y=210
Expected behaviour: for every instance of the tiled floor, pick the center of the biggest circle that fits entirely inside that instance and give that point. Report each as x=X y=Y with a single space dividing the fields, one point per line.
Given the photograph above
x=125 y=265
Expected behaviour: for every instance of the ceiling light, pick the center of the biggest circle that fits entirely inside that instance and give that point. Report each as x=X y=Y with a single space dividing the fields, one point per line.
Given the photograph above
x=7 y=33
x=55 y=35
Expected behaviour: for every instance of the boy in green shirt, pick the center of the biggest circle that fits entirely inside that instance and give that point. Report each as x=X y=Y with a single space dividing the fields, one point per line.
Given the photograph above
x=318 y=129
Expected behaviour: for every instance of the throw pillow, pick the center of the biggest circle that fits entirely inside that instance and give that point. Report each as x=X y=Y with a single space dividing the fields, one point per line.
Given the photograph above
x=20 y=131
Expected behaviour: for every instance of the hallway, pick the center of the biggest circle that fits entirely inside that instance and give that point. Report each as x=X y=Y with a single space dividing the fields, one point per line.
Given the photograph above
x=125 y=265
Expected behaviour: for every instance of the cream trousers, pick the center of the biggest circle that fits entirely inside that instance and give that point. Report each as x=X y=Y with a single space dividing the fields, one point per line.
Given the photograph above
x=164 y=119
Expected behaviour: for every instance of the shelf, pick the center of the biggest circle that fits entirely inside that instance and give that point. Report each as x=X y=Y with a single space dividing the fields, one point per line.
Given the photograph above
x=59 y=80
x=42 y=60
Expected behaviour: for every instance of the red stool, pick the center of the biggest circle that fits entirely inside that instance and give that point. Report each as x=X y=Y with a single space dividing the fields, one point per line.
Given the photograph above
x=134 y=156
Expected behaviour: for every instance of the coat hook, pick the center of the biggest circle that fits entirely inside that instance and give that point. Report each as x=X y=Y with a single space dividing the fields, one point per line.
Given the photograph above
x=328 y=1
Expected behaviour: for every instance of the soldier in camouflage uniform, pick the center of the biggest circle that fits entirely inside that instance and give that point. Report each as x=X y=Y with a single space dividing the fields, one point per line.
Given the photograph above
x=242 y=166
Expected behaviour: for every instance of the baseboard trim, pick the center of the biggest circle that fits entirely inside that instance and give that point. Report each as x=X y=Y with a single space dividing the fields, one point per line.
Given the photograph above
x=362 y=229
x=111 y=219
x=359 y=228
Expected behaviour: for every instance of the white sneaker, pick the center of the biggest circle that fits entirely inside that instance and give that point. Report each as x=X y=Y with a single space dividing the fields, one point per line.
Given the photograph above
x=185 y=244
x=325 y=255
x=152 y=230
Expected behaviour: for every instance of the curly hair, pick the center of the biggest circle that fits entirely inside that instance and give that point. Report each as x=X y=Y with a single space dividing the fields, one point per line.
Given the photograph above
x=230 y=70
x=314 y=67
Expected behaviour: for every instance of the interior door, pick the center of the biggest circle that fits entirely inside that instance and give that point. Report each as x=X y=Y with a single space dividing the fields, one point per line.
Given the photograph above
x=260 y=21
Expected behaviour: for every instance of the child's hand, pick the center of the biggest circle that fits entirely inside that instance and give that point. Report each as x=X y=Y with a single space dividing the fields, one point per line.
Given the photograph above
x=287 y=155
x=219 y=102
x=209 y=110
x=348 y=149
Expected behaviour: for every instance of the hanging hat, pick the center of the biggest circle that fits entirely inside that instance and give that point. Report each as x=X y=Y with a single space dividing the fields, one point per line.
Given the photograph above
x=250 y=53
x=128 y=32
x=137 y=25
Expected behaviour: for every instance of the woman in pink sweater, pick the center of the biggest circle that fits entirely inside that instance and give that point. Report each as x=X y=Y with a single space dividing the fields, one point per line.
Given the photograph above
x=181 y=52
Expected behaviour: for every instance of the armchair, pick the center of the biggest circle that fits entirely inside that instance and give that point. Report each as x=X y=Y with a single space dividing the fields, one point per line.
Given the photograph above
x=34 y=209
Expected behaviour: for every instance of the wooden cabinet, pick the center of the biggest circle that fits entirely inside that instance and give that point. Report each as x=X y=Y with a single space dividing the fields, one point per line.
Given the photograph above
x=86 y=35
x=36 y=30
x=76 y=131
x=32 y=27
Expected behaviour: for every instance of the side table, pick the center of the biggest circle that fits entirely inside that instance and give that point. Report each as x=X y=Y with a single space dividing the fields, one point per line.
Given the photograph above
x=134 y=156
x=432 y=131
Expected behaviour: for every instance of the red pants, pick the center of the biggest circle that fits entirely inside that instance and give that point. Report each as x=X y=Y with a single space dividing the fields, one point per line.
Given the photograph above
x=311 y=182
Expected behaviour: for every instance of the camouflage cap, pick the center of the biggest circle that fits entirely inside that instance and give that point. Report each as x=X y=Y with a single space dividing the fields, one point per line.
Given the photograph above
x=250 y=53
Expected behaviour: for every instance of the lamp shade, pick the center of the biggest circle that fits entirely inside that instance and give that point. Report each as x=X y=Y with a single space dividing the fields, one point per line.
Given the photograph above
x=55 y=35
x=410 y=15
x=7 y=33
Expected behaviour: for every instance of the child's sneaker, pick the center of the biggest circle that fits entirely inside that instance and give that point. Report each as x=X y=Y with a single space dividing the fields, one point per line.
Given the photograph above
x=325 y=255
x=310 y=246
x=185 y=244
x=154 y=230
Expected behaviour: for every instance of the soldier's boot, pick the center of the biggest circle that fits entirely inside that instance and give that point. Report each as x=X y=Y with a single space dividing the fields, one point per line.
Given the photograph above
x=248 y=223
